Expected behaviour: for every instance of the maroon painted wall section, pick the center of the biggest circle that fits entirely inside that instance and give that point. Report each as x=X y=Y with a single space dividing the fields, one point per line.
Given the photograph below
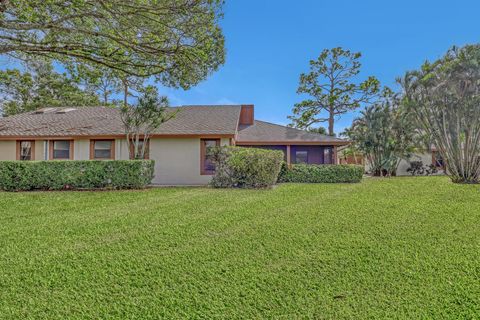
x=316 y=154
x=281 y=148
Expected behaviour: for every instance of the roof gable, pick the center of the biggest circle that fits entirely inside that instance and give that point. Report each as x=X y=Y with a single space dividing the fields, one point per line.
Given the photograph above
x=266 y=132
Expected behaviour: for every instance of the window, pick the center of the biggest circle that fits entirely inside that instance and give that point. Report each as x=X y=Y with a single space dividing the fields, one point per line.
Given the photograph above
x=25 y=150
x=61 y=149
x=301 y=157
x=102 y=149
x=207 y=167
x=140 y=146
x=327 y=155
x=437 y=160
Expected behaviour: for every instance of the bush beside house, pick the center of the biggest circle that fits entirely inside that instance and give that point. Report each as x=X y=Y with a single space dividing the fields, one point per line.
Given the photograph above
x=62 y=175
x=309 y=173
x=238 y=167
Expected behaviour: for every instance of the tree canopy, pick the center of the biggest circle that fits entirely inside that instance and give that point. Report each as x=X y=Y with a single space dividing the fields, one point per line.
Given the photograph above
x=445 y=98
x=332 y=89
x=179 y=42
x=40 y=86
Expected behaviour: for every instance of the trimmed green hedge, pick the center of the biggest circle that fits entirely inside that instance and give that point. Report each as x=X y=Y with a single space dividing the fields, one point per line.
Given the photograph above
x=238 y=167
x=65 y=175
x=327 y=173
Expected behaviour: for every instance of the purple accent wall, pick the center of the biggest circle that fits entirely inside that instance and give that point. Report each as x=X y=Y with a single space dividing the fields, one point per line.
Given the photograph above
x=281 y=148
x=316 y=154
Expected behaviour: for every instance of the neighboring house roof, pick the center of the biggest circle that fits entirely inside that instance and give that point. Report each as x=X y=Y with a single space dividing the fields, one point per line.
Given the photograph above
x=189 y=120
x=269 y=133
x=104 y=121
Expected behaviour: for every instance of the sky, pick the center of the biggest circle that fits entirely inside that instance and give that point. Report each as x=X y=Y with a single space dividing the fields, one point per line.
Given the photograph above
x=269 y=44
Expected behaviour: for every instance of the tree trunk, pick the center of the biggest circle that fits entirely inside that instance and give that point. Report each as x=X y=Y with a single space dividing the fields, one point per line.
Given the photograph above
x=331 y=122
x=105 y=97
x=125 y=92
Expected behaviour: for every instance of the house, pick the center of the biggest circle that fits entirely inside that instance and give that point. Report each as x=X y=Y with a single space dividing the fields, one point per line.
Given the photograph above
x=178 y=146
x=431 y=157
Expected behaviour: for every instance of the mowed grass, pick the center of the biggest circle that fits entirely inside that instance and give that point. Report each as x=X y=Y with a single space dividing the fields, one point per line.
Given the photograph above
x=405 y=248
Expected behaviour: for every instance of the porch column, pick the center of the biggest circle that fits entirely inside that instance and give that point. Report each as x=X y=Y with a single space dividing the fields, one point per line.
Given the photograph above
x=288 y=156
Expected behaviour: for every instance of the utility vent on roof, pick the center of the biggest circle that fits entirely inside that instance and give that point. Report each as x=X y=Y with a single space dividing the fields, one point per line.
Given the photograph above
x=65 y=110
x=45 y=110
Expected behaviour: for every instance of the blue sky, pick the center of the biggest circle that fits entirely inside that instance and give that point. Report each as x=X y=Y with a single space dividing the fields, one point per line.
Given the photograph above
x=269 y=43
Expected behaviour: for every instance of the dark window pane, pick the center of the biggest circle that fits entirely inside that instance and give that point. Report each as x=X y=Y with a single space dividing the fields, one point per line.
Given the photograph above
x=102 y=149
x=327 y=156
x=102 y=154
x=438 y=159
x=25 y=150
x=301 y=157
x=61 y=149
x=208 y=164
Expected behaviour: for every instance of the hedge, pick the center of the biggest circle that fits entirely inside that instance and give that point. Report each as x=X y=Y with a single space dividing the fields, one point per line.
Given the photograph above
x=238 y=167
x=326 y=173
x=65 y=175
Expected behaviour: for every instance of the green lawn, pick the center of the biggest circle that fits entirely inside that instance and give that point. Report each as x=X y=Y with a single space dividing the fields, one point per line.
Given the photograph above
x=391 y=248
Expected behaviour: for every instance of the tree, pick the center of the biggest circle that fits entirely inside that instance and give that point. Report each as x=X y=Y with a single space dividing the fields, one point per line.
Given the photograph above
x=40 y=86
x=142 y=119
x=331 y=88
x=179 y=42
x=385 y=134
x=445 y=98
x=320 y=130
x=104 y=82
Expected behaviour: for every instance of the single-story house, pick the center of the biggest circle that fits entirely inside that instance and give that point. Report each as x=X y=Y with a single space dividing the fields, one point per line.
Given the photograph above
x=430 y=157
x=178 y=146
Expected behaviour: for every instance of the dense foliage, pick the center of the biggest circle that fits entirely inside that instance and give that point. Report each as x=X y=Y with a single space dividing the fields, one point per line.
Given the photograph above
x=245 y=167
x=385 y=134
x=445 y=98
x=179 y=42
x=312 y=173
x=65 y=175
x=332 y=89
x=39 y=86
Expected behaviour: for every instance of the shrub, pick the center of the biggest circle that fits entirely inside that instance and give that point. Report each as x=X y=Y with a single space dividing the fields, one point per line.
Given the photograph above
x=245 y=167
x=64 y=175
x=312 y=173
x=417 y=168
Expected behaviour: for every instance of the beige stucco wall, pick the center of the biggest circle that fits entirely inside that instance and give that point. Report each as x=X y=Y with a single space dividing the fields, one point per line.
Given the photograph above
x=8 y=150
x=177 y=161
x=426 y=158
x=40 y=150
x=81 y=149
x=121 y=149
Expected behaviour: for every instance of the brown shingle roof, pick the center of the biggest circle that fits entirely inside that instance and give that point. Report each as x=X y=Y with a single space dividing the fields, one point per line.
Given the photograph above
x=104 y=121
x=266 y=132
